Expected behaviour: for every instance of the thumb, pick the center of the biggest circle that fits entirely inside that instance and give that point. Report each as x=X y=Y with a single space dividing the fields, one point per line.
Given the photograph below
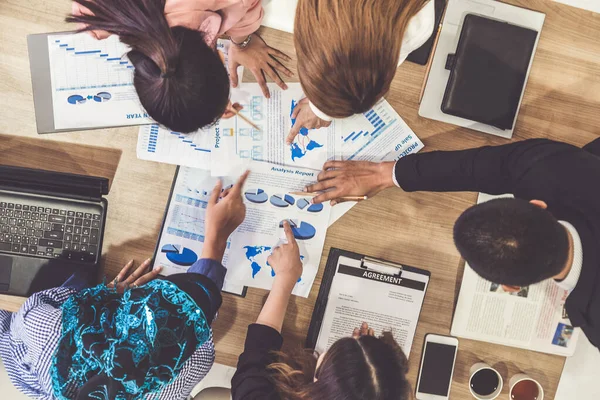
x=216 y=192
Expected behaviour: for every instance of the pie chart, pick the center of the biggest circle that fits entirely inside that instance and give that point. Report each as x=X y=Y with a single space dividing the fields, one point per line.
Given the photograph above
x=301 y=230
x=315 y=208
x=279 y=200
x=76 y=99
x=304 y=203
x=184 y=257
x=102 y=97
x=256 y=196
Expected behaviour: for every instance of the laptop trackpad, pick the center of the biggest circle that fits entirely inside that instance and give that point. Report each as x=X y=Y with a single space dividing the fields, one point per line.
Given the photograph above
x=5 y=271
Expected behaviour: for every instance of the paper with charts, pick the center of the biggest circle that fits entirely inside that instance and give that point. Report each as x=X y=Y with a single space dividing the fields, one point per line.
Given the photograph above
x=269 y=202
x=182 y=238
x=156 y=143
x=92 y=83
x=237 y=142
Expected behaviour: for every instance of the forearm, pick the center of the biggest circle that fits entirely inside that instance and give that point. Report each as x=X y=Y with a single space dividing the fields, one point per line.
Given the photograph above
x=273 y=312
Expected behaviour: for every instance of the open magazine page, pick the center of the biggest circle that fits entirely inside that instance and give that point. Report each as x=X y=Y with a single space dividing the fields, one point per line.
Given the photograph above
x=533 y=318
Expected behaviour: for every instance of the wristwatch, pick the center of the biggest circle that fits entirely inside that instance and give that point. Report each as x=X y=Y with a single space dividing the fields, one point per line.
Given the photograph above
x=244 y=43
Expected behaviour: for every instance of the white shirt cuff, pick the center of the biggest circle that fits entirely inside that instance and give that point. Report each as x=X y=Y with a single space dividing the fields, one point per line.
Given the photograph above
x=394 y=175
x=319 y=113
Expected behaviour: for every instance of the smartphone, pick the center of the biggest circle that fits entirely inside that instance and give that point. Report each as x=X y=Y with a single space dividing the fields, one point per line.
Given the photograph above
x=437 y=367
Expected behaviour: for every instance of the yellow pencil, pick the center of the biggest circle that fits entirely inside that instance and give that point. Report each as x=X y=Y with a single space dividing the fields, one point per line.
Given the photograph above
x=345 y=198
x=245 y=119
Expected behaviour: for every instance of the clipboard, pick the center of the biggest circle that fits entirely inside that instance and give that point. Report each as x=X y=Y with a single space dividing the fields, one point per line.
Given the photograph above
x=382 y=267
x=164 y=224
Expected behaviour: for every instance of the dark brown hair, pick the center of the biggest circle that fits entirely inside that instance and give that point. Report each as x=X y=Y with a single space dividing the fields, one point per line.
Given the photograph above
x=352 y=369
x=180 y=80
x=348 y=50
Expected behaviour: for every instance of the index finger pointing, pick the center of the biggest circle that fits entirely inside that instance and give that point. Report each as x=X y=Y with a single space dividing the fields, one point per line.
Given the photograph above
x=237 y=188
x=289 y=234
x=216 y=192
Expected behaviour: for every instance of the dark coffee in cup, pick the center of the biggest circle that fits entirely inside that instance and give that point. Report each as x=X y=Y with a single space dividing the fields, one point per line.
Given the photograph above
x=485 y=382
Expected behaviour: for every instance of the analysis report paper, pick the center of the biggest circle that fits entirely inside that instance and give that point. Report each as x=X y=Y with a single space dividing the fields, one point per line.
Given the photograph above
x=268 y=202
x=92 y=83
x=387 y=302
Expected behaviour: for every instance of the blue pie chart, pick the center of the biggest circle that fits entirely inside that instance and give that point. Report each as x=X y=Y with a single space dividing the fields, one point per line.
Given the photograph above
x=315 y=208
x=302 y=203
x=102 y=97
x=76 y=99
x=186 y=258
x=279 y=200
x=256 y=196
x=301 y=230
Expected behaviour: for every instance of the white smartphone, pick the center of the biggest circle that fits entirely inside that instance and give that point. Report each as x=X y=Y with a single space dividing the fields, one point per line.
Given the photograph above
x=437 y=367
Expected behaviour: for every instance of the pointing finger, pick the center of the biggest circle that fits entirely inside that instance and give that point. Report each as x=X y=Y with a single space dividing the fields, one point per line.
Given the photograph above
x=216 y=192
x=289 y=234
x=237 y=188
x=293 y=132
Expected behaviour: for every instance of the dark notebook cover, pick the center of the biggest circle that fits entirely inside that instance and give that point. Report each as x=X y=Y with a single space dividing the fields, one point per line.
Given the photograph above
x=488 y=71
x=421 y=55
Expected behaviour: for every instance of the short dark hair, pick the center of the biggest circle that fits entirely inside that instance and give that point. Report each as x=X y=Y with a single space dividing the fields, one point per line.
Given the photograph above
x=512 y=242
x=180 y=80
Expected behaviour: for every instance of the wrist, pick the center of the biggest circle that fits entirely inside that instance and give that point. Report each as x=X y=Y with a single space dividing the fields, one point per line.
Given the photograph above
x=241 y=42
x=214 y=249
x=284 y=283
x=385 y=174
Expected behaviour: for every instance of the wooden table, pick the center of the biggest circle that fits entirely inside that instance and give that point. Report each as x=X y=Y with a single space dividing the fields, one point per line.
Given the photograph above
x=562 y=102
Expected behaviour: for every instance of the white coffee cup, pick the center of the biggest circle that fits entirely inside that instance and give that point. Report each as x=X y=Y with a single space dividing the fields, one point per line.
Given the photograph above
x=524 y=377
x=480 y=367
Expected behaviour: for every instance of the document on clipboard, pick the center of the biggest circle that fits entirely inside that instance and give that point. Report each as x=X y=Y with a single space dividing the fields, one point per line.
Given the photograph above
x=357 y=288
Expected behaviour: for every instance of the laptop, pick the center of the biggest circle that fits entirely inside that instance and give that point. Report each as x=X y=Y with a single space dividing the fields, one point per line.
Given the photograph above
x=51 y=226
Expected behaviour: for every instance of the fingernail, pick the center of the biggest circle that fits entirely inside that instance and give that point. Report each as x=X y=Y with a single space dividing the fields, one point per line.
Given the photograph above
x=305 y=189
x=130 y=261
x=148 y=260
x=159 y=268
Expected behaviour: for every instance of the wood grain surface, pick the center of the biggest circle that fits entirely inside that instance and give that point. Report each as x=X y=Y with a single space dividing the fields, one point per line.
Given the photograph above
x=561 y=102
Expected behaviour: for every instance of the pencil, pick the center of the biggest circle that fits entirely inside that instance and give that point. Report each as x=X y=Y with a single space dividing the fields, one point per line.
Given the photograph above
x=245 y=119
x=435 y=42
x=345 y=198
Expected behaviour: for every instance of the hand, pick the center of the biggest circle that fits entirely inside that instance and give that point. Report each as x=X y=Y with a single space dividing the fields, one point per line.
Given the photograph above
x=77 y=10
x=229 y=110
x=140 y=276
x=364 y=330
x=351 y=178
x=261 y=60
x=285 y=259
x=223 y=217
x=305 y=117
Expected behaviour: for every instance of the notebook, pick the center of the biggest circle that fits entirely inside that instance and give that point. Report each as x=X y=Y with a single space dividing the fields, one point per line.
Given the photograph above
x=488 y=71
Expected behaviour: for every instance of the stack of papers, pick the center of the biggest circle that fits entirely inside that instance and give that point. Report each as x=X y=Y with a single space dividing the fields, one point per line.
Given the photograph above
x=279 y=170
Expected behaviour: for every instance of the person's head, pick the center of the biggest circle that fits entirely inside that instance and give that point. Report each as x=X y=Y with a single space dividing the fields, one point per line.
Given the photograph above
x=348 y=51
x=512 y=241
x=180 y=79
x=352 y=369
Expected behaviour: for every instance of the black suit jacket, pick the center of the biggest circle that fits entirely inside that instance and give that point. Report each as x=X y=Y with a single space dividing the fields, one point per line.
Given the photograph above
x=566 y=177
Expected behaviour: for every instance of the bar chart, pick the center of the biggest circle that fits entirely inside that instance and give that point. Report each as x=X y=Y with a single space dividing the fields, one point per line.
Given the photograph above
x=81 y=62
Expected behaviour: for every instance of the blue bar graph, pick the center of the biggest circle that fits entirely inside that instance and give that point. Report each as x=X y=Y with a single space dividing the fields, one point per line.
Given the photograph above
x=113 y=59
x=63 y=45
x=88 y=52
x=153 y=139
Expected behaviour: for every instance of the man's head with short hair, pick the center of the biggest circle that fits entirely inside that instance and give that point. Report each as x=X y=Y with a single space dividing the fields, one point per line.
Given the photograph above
x=512 y=242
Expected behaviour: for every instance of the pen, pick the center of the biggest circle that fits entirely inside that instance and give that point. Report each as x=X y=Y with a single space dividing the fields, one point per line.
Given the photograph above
x=236 y=112
x=345 y=198
x=435 y=42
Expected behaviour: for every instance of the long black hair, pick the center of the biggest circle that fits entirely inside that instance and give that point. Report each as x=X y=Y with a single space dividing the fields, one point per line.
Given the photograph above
x=180 y=80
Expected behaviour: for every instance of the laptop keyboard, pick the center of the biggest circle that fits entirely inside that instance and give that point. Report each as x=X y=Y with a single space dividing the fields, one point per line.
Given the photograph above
x=49 y=232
